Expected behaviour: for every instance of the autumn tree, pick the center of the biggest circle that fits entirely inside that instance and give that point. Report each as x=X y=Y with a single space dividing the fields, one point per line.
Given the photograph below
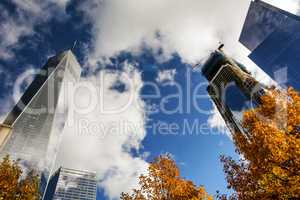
x=163 y=182
x=14 y=185
x=270 y=150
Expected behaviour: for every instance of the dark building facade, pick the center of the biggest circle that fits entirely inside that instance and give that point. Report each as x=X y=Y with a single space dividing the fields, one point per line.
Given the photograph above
x=70 y=184
x=231 y=87
x=273 y=37
x=36 y=122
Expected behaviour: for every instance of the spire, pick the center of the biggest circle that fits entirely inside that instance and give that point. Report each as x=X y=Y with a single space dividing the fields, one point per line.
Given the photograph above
x=74 y=45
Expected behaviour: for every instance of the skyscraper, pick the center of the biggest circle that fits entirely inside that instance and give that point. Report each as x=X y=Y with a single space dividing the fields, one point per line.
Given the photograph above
x=70 y=184
x=37 y=120
x=273 y=37
x=231 y=87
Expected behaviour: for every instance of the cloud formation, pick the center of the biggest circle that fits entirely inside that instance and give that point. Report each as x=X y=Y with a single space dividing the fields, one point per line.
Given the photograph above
x=21 y=23
x=103 y=138
x=190 y=28
x=166 y=76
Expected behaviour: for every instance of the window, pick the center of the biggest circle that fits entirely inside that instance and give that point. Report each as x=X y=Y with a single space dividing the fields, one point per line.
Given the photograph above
x=249 y=83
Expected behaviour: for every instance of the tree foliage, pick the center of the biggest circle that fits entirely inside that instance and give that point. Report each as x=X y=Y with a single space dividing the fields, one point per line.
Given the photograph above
x=270 y=147
x=14 y=186
x=163 y=182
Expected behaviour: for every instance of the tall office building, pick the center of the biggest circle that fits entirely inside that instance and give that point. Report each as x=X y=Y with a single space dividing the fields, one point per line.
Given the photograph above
x=232 y=88
x=70 y=184
x=273 y=37
x=34 y=126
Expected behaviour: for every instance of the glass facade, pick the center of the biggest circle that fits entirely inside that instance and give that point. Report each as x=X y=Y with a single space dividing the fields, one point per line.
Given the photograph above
x=70 y=184
x=273 y=36
x=38 y=119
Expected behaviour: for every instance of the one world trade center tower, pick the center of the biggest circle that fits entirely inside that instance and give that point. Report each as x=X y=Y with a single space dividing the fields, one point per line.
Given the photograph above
x=33 y=128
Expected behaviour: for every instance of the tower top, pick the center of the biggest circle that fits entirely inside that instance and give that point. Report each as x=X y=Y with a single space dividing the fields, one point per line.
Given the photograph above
x=74 y=45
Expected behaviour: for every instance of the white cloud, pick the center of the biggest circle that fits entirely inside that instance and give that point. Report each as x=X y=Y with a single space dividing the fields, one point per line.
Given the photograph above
x=102 y=142
x=11 y=30
x=191 y=28
x=166 y=76
x=22 y=22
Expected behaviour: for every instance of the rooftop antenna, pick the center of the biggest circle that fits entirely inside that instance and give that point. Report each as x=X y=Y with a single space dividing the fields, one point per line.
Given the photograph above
x=74 y=45
x=195 y=65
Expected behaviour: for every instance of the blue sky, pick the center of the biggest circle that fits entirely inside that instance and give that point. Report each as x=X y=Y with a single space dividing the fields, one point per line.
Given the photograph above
x=151 y=43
